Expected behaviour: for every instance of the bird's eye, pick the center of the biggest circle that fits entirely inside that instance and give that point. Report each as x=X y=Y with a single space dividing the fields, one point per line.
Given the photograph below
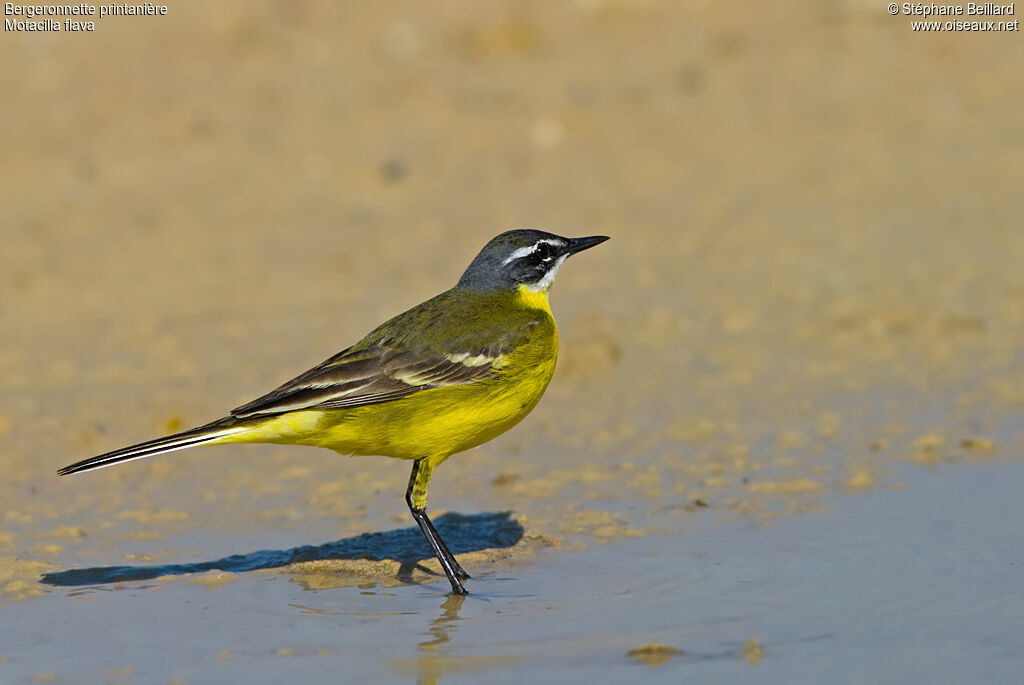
x=544 y=251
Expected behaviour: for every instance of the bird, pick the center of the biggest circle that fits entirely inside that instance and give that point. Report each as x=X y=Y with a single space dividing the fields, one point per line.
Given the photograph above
x=441 y=378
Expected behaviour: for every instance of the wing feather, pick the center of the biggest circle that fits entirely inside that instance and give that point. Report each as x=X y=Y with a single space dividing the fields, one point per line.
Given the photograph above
x=374 y=374
x=405 y=356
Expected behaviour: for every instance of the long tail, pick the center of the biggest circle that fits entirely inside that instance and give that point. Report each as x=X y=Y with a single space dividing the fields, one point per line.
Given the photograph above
x=178 y=441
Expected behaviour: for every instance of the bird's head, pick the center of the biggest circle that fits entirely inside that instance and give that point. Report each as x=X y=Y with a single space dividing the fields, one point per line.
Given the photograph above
x=523 y=257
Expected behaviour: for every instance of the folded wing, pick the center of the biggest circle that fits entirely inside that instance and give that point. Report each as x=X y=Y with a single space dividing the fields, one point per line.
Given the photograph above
x=372 y=374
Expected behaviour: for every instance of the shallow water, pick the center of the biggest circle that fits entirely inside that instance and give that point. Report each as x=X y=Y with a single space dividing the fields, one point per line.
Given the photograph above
x=918 y=584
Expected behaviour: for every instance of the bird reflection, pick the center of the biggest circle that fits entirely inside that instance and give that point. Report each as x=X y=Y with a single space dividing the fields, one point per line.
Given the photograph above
x=431 y=665
x=436 y=658
x=442 y=627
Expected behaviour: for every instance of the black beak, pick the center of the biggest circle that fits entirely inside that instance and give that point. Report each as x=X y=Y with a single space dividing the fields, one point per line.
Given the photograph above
x=581 y=244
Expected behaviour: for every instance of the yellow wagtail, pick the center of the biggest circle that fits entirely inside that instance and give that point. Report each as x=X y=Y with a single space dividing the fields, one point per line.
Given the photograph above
x=441 y=378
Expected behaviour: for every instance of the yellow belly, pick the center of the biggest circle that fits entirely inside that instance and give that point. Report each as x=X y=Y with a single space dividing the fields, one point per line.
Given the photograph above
x=431 y=424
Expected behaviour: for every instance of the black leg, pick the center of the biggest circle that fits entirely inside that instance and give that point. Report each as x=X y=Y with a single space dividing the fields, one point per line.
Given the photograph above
x=460 y=573
x=416 y=498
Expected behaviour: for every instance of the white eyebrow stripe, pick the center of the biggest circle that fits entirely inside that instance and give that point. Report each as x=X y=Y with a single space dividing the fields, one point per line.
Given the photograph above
x=517 y=253
x=523 y=251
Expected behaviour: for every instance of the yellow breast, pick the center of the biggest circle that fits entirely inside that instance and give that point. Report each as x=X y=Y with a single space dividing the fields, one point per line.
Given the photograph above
x=442 y=421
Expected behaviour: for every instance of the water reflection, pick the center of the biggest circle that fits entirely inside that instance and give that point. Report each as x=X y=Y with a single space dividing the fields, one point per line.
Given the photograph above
x=441 y=628
x=435 y=660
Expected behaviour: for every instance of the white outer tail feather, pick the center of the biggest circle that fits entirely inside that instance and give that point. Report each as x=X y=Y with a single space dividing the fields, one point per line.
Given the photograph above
x=150 y=448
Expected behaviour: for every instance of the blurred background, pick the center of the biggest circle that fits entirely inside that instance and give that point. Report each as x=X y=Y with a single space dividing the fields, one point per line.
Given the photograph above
x=813 y=279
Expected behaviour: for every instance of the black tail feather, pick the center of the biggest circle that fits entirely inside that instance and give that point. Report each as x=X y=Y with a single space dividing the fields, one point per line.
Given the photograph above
x=170 y=443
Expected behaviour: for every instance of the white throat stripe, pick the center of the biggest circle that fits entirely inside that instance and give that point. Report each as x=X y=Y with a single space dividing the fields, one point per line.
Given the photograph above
x=544 y=284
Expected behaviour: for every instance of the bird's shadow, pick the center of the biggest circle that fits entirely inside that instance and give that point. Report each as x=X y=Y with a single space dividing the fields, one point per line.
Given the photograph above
x=405 y=545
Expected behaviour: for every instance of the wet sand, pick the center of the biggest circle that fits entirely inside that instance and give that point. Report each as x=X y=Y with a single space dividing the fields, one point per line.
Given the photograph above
x=800 y=349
